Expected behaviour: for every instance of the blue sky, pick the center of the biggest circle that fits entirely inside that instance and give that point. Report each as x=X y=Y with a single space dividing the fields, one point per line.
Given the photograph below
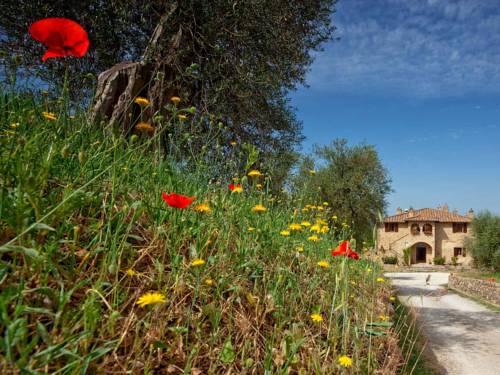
x=420 y=80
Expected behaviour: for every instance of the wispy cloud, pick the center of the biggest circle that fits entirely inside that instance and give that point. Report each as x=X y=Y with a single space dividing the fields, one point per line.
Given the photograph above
x=412 y=47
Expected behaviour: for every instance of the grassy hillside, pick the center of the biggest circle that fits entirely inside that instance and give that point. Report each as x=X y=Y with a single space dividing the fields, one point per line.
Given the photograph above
x=85 y=233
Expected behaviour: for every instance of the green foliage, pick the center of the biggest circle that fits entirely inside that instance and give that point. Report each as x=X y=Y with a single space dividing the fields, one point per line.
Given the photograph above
x=390 y=260
x=454 y=261
x=351 y=179
x=84 y=237
x=235 y=60
x=485 y=246
x=407 y=256
x=439 y=261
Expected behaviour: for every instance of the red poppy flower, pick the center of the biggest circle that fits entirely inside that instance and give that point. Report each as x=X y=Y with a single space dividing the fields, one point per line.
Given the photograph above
x=232 y=186
x=63 y=37
x=345 y=249
x=177 y=200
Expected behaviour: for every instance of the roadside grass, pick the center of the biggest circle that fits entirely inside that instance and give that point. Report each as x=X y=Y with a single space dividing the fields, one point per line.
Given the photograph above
x=482 y=275
x=84 y=234
x=417 y=360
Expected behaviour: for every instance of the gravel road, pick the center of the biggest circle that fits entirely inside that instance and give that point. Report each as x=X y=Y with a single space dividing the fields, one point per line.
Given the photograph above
x=463 y=335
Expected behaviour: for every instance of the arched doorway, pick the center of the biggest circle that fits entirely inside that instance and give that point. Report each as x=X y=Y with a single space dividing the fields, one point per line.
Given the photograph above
x=421 y=252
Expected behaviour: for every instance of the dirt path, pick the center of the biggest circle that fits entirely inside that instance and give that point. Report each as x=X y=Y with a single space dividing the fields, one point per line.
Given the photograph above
x=463 y=335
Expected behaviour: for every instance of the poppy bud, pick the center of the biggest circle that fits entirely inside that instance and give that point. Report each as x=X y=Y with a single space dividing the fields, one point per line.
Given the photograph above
x=134 y=138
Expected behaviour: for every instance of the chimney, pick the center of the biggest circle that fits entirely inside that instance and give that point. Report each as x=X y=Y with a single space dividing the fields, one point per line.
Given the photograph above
x=399 y=211
x=445 y=207
x=470 y=214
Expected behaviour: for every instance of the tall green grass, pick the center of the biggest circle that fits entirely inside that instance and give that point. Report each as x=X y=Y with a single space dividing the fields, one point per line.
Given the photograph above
x=85 y=233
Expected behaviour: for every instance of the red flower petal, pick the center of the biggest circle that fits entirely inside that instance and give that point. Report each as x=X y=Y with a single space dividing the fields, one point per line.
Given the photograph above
x=342 y=249
x=62 y=36
x=177 y=200
x=231 y=187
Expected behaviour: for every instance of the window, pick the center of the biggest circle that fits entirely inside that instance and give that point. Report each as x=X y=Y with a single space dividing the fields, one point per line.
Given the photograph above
x=427 y=229
x=458 y=251
x=415 y=229
x=459 y=227
x=391 y=227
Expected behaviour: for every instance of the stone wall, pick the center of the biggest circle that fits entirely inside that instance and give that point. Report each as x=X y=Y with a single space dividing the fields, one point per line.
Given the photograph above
x=487 y=290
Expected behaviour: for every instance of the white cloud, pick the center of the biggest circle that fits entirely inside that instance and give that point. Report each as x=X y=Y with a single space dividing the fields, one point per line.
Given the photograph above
x=412 y=47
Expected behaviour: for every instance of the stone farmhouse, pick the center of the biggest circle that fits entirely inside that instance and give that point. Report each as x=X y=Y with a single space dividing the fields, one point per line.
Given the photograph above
x=428 y=232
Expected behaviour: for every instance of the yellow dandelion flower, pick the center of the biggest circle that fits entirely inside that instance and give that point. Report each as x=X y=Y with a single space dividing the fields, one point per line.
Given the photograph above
x=209 y=282
x=313 y=238
x=300 y=249
x=383 y=317
x=130 y=272
x=315 y=228
x=14 y=125
x=182 y=117
x=144 y=127
x=233 y=143
x=305 y=224
x=305 y=209
x=258 y=208
x=285 y=233
x=392 y=298
x=175 y=99
x=321 y=222
x=49 y=116
x=258 y=186
x=312 y=172
x=320 y=208
x=143 y=102
x=237 y=189
x=369 y=270
x=151 y=298
x=251 y=229
x=324 y=229
x=323 y=264
x=325 y=203
x=295 y=227
x=345 y=361
x=380 y=279
x=254 y=173
x=316 y=318
x=203 y=208
x=197 y=263
x=334 y=217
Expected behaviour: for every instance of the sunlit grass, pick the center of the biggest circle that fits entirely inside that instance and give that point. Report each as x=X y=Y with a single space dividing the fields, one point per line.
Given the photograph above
x=98 y=273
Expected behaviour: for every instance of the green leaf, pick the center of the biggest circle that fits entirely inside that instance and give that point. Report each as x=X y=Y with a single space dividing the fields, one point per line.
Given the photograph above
x=32 y=253
x=372 y=332
x=227 y=354
x=379 y=324
x=42 y=226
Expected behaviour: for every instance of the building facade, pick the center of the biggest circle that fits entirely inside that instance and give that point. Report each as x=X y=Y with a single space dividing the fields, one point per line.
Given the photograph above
x=428 y=232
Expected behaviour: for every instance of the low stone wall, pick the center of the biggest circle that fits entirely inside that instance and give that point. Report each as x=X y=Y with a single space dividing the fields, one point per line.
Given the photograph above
x=487 y=290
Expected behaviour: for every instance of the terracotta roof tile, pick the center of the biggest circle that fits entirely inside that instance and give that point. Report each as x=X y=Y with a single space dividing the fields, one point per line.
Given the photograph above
x=428 y=214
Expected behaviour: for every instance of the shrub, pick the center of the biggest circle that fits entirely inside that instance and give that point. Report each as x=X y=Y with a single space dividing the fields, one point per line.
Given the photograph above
x=454 y=261
x=407 y=256
x=439 y=261
x=486 y=243
x=390 y=260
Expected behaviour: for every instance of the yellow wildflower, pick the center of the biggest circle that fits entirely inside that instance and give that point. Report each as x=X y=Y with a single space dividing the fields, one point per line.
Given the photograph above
x=305 y=224
x=144 y=127
x=325 y=203
x=300 y=249
x=392 y=298
x=237 y=189
x=175 y=99
x=254 y=173
x=203 y=208
x=312 y=172
x=317 y=318
x=285 y=233
x=14 y=125
x=209 y=282
x=345 y=361
x=295 y=227
x=321 y=222
x=251 y=229
x=305 y=209
x=315 y=228
x=383 y=317
x=258 y=208
x=334 y=217
x=151 y=298
x=258 y=186
x=323 y=264
x=49 y=116
x=233 y=143
x=324 y=229
x=130 y=272
x=182 y=117
x=143 y=102
x=380 y=279
x=313 y=238
x=197 y=262
x=320 y=208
